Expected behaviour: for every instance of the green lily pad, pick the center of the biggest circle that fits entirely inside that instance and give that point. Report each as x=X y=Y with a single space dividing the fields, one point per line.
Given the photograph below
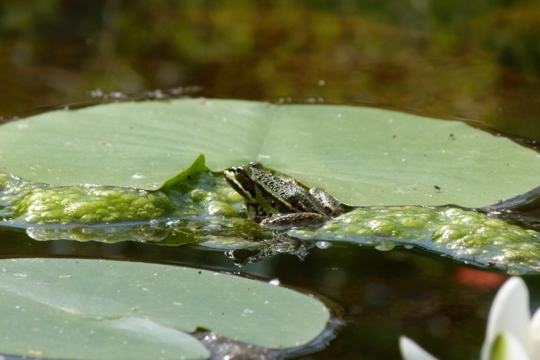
x=362 y=156
x=91 y=309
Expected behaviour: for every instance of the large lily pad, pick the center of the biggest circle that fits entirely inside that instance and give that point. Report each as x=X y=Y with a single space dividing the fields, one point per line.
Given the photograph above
x=362 y=156
x=91 y=309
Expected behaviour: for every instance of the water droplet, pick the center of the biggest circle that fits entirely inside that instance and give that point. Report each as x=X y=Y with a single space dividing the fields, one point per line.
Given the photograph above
x=385 y=245
x=323 y=244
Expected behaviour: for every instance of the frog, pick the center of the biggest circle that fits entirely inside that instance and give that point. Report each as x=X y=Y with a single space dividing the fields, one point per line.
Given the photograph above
x=275 y=201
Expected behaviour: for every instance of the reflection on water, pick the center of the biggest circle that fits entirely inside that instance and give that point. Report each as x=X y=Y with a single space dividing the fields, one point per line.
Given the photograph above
x=107 y=234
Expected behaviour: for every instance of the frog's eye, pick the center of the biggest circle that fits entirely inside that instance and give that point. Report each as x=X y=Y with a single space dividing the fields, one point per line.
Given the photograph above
x=239 y=172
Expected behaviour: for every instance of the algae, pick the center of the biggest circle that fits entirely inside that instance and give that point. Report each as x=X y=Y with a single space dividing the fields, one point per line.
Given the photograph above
x=464 y=234
x=204 y=209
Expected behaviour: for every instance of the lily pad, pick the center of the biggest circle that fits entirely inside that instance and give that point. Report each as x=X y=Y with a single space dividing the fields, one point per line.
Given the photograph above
x=91 y=309
x=362 y=156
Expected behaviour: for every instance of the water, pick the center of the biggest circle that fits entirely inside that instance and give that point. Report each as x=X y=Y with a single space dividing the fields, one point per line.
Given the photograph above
x=383 y=294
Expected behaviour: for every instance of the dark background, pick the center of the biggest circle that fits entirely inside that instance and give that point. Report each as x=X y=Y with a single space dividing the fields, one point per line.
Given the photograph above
x=477 y=60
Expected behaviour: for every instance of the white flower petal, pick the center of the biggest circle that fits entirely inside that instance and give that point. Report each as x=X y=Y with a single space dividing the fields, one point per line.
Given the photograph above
x=534 y=336
x=509 y=314
x=411 y=351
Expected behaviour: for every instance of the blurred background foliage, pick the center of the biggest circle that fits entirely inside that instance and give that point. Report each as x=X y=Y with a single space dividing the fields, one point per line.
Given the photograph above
x=477 y=60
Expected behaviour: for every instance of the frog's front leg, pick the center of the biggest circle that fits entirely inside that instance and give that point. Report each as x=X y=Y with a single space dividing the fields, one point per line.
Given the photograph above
x=285 y=221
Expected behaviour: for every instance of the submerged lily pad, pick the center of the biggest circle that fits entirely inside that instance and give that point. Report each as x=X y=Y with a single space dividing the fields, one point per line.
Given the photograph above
x=90 y=309
x=362 y=156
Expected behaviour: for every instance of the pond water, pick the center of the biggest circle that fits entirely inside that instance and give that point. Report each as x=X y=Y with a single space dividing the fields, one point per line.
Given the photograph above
x=383 y=295
x=452 y=60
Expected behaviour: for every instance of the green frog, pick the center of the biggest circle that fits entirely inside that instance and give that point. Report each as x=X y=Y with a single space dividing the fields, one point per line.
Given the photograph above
x=279 y=202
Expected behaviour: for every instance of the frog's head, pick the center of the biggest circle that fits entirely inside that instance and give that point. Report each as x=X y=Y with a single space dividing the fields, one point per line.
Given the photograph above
x=240 y=179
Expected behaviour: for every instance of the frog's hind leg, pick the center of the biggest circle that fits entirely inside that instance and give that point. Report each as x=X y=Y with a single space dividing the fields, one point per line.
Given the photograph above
x=332 y=206
x=296 y=219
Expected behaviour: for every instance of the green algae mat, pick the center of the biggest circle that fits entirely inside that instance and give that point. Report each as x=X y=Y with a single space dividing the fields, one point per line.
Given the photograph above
x=151 y=172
